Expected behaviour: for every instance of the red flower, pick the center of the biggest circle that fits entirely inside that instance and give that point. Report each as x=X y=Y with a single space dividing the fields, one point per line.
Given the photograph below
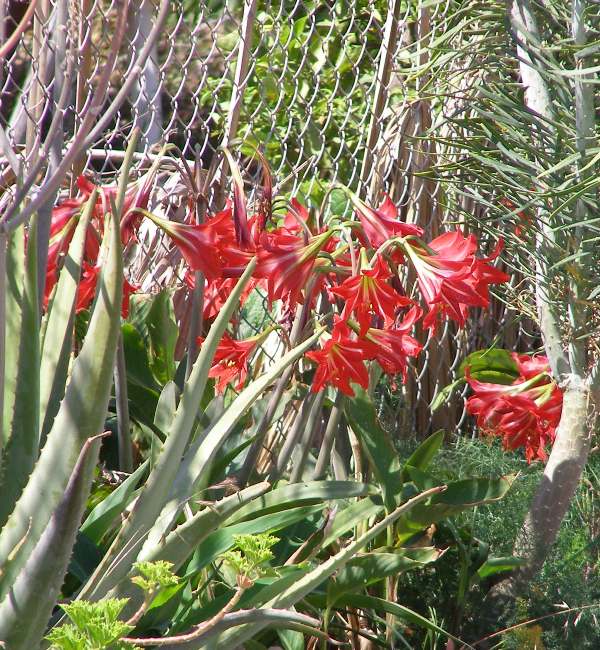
x=525 y=413
x=231 y=361
x=451 y=278
x=341 y=360
x=368 y=295
x=199 y=244
x=286 y=262
x=383 y=224
x=392 y=347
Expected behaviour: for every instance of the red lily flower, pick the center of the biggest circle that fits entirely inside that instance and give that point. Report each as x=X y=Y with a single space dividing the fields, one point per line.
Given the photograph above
x=525 y=413
x=451 y=278
x=286 y=262
x=392 y=347
x=231 y=361
x=382 y=223
x=199 y=244
x=368 y=295
x=341 y=360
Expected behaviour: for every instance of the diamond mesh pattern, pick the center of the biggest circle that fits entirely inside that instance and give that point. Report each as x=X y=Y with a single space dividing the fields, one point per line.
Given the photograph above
x=324 y=89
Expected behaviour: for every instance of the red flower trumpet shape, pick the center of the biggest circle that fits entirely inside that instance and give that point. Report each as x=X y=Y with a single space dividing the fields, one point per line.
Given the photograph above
x=231 y=360
x=199 y=244
x=368 y=295
x=393 y=346
x=286 y=262
x=341 y=360
x=450 y=277
x=525 y=413
x=382 y=223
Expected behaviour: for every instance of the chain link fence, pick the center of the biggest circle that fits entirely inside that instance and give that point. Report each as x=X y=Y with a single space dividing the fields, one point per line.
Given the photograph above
x=331 y=92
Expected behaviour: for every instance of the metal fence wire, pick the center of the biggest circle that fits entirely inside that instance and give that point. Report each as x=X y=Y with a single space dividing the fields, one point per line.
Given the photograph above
x=327 y=90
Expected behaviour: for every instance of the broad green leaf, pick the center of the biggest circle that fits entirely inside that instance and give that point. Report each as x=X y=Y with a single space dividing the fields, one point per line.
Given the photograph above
x=194 y=469
x=378 y=448
x=317 y=576
x=365 y=570
x=459 y=496
x=136 y=357
x=350 y=517
x=222 y=540
x=443 y=395
x=495 y=565
x=162 y=332
x=296 y=494
x=493 y=365
x=81 y=415
x=424 y=453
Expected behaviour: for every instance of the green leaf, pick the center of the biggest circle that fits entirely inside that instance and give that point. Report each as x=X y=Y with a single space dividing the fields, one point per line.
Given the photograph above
x=377 y=445
x=24 y=615
x=443 y=395
x=495 y=565
x=459 y=496
x=195 y=466
x=22 y=449
x=156 y=489
x=100 y=519
x=368 y=569
x=59 y=321
x=222 y=540
x=493 y=365
x=297 y=494
x=424 y=453
x=162 y=332
x=81 y=415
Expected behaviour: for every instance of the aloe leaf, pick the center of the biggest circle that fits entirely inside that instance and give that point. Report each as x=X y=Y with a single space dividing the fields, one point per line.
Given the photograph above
x=15 y=272
x=196 y=462
x=25 y=611
x=22 y=448
x=305 y=585
x=56 y=344
x=156 y=489
x=81 y=416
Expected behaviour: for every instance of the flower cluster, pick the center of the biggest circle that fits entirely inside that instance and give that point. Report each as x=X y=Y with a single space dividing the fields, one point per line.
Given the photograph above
x=347 y=273
x=524 y=413
x=62 y=228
